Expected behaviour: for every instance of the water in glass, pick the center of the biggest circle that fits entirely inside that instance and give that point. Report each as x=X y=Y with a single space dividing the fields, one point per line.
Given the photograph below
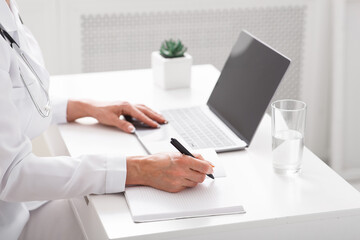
x=287 y=148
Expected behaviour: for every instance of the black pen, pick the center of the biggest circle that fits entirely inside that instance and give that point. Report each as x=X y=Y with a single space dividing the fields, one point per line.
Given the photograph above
x=183 y=150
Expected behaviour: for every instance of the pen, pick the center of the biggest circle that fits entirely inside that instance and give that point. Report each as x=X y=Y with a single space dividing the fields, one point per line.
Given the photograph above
x=183 y=150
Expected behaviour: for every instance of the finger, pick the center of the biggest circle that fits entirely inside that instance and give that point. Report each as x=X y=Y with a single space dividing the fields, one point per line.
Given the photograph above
x=125 y=126
x=134 y=112
x=195 y=176
x=188 y=183
x=198 y=156
x=156 y=116
x=151 y=113
x=199 y=165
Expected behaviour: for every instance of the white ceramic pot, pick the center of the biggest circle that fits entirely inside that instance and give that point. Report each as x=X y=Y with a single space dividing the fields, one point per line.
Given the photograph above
x=170 y=73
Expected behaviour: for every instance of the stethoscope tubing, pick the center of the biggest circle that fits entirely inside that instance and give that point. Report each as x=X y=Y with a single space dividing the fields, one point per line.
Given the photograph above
x=13 y=44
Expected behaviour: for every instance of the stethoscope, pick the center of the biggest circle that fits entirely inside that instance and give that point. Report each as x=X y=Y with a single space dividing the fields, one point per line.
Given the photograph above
x=42 y=105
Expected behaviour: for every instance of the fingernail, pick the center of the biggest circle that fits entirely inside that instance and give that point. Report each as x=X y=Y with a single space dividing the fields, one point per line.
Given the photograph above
x=166 y=122
x=211 y=171
x=131 y=129
x=158 y=126
x=211 y=164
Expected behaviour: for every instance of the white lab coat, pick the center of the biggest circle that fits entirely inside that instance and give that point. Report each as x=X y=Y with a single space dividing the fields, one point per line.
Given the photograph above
x=24 y=176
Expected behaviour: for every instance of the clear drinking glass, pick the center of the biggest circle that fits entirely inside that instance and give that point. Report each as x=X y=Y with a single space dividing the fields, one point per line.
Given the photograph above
x=288 y=128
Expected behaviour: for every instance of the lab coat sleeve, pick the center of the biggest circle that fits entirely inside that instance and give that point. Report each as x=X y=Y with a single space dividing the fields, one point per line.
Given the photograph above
x=26 y=177
x=59 y=108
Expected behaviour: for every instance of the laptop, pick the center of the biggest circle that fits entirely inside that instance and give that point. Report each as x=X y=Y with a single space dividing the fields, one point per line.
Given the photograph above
x=229 y=120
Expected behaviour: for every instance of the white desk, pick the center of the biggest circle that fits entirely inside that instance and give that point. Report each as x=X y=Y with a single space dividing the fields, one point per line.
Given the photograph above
x=318 y=204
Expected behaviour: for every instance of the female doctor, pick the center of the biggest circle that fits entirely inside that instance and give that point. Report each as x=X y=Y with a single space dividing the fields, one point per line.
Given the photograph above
x=25 y=112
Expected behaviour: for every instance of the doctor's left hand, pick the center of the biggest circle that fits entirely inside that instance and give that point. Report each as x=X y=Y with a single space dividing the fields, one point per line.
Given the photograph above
x=109 y=114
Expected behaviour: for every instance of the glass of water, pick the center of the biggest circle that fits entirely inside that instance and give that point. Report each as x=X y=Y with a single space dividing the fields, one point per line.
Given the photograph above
x=288 y=128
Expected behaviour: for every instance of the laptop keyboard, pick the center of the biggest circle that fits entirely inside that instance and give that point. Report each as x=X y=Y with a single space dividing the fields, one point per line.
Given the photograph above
x=196 y=128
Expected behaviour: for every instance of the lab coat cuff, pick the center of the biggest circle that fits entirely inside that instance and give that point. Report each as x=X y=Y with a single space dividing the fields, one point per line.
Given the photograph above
x=59 y=109
x=116 y=174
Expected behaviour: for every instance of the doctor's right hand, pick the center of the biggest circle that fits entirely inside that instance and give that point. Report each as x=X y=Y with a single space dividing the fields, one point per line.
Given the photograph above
x=171 y=172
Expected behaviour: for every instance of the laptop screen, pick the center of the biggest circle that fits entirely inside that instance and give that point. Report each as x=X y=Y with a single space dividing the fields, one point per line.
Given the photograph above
x=246 y=85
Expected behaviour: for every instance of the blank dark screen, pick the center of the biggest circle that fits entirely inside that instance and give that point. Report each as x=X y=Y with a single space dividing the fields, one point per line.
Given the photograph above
x=246 y=85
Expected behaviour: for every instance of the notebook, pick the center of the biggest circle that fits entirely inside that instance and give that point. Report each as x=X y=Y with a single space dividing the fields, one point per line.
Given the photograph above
x=212 y=197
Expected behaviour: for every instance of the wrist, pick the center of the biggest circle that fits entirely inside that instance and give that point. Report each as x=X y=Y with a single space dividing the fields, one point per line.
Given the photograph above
x=134 y=171
x=78 y=109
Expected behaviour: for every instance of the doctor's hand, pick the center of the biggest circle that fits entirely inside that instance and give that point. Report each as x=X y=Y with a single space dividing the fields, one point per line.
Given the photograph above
x=110 y=114
x=171 y=172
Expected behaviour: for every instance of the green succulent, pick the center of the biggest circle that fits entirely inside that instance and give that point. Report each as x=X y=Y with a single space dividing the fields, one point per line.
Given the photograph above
x=172 y=49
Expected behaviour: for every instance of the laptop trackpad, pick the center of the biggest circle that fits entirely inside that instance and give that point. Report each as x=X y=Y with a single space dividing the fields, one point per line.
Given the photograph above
x=157 y=140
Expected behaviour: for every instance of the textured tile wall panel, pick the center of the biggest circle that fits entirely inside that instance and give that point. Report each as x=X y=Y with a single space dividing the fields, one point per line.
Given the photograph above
x=125 y=41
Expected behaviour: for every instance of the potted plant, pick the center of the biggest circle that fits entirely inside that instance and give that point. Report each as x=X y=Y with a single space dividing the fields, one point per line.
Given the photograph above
x=171 y=65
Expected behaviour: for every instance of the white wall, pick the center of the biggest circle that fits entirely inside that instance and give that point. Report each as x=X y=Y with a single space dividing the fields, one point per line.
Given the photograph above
x=42 y=17
x=352 y=85
x=345 y=129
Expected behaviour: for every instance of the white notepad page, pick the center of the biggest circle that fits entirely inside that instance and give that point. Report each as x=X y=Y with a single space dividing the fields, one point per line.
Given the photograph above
x=212 y=197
